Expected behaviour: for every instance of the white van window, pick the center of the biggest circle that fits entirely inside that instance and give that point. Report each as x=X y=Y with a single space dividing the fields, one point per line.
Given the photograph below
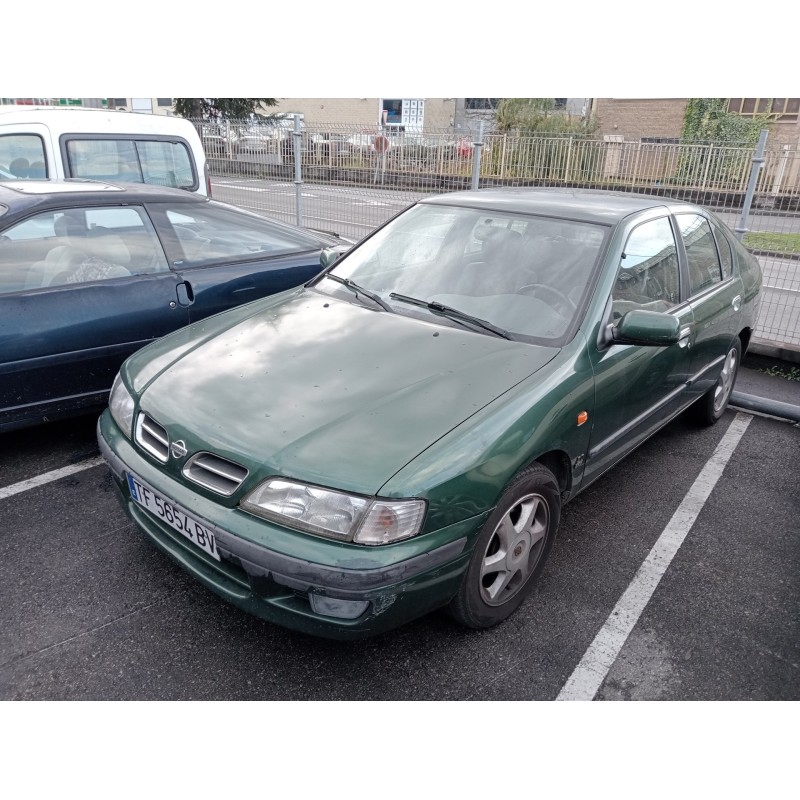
x=166 y=163
x=22 y=157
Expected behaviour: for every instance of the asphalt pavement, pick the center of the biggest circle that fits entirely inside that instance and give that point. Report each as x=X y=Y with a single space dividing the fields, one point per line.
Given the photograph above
x=93 y=612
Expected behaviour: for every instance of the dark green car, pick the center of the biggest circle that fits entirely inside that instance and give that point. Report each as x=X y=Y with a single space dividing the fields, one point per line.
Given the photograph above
x=400 y=433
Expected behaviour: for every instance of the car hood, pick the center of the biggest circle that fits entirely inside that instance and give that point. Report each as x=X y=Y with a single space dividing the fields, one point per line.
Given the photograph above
x=328 y=391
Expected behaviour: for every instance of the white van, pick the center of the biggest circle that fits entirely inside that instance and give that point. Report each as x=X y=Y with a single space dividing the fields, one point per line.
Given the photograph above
x=46 y=142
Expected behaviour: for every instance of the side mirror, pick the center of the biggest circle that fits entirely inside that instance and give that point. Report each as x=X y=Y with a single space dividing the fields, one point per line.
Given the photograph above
x=328 y=257
x=649 y=328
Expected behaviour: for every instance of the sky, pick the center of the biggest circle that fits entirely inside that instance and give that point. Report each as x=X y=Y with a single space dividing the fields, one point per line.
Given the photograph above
x=411 y=49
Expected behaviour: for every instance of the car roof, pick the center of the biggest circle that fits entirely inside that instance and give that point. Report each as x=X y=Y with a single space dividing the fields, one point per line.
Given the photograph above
x=585 y=205
x=21 y=195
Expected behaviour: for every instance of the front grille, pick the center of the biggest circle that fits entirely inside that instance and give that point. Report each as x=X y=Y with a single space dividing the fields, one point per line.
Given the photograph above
x=215 y=473
x=152 y=437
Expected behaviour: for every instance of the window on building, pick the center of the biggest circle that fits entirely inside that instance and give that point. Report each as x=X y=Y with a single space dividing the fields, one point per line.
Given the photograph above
x=787 y=108
x=392 y=112
x=403 y=115
x=660 y=140
x=143 y=105
x=482 y=103
x=164 y=102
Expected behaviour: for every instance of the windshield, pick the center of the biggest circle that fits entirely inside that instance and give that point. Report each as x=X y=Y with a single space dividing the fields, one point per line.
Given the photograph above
x=526 y=275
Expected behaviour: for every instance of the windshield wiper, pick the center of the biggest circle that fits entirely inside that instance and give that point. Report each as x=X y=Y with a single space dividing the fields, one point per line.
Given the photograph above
x=453 y=313
x=354 y=287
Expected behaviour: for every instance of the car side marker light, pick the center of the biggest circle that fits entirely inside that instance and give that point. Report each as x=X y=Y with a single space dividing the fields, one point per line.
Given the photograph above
x=582 y=417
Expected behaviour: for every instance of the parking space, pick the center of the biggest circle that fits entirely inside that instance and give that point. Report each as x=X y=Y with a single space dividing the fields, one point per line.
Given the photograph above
x=93 y=611
x=96 y=612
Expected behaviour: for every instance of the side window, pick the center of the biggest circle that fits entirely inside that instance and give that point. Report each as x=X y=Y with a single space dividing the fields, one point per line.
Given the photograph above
x=701 y=252
x=59 y=248
x=208 y=234
x=648 y=276
x=22 y=157
x=724 y=250
x=166 y=163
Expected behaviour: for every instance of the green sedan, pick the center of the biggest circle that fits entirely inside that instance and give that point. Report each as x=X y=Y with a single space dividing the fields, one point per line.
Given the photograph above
x=400 y=434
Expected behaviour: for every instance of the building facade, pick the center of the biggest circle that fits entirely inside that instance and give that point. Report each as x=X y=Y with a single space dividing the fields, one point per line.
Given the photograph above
x=662 y=119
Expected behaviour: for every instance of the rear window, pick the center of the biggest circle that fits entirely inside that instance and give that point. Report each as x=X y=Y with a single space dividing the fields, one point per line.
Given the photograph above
x=164 y=162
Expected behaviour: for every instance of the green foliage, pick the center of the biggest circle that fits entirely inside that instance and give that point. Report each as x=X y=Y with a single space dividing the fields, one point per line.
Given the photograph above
x=529 y=116
x=546 y=144
x=707 y=119
x=781 y=371
x=221 y=107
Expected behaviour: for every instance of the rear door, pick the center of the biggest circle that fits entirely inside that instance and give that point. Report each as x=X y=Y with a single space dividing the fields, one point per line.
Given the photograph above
x=80 y=290
x=227 y=258
x=715 y=296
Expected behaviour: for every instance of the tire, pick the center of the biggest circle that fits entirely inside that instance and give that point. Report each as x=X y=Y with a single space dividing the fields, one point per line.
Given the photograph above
x=511 y=550
x=711 y=406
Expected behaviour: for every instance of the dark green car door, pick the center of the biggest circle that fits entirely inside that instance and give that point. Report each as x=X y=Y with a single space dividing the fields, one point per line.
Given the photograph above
x=638 y=388
x=715 y=297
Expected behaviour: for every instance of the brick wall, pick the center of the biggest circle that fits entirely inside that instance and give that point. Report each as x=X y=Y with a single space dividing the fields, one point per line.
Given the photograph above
x=634 y=119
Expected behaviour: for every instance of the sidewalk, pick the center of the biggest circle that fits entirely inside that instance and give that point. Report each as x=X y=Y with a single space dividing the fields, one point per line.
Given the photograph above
x=757 y=389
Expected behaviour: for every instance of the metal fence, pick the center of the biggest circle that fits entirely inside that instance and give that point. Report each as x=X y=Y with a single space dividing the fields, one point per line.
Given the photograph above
x=350 y=179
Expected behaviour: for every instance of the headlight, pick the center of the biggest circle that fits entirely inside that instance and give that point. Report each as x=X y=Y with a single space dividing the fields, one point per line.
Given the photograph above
x=120 y=404
x=330 y=513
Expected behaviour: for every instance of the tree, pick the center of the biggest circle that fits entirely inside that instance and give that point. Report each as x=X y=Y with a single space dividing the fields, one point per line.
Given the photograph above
x=221 y=107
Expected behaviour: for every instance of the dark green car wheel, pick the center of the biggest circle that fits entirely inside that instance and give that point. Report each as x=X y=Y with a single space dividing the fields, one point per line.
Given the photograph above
x=711 y=406
x=511 y=550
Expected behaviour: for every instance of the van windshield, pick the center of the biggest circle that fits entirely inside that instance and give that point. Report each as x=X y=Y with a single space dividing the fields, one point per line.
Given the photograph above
x=164 y=162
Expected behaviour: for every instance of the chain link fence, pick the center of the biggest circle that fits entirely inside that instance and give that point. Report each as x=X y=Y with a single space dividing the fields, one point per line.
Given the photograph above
x=349 y=179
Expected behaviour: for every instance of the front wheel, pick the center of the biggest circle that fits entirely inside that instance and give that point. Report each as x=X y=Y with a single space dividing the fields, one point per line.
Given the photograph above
x=711 y=406
x=511 y=550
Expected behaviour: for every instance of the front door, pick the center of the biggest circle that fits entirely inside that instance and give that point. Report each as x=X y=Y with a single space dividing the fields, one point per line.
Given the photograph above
x=638 y=388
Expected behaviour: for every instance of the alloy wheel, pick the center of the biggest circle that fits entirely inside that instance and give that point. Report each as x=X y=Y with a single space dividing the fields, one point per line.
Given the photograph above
x=726 y=380
x=514 y=549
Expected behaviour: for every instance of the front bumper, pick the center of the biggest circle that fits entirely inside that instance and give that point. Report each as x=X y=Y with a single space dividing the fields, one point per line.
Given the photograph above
x=384 y=586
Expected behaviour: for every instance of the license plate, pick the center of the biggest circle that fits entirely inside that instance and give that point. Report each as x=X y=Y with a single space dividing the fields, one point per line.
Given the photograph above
x=173 y=516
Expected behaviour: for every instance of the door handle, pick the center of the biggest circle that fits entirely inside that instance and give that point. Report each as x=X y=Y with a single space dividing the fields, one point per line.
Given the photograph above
x=736 y=302
x=185 y=294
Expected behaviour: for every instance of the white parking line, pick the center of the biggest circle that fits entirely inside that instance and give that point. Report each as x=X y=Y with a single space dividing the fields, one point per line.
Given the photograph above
x=49 y=477
x=603 y=651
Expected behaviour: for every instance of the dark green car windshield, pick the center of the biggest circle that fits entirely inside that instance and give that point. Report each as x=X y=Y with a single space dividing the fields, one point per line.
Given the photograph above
x=525 y=274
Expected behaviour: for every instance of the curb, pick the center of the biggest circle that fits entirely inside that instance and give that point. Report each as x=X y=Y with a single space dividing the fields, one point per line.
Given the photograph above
x=775 y=408
x=783 y=352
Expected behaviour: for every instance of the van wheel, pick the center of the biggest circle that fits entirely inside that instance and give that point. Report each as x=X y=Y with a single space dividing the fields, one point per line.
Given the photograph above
x=511 y=550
